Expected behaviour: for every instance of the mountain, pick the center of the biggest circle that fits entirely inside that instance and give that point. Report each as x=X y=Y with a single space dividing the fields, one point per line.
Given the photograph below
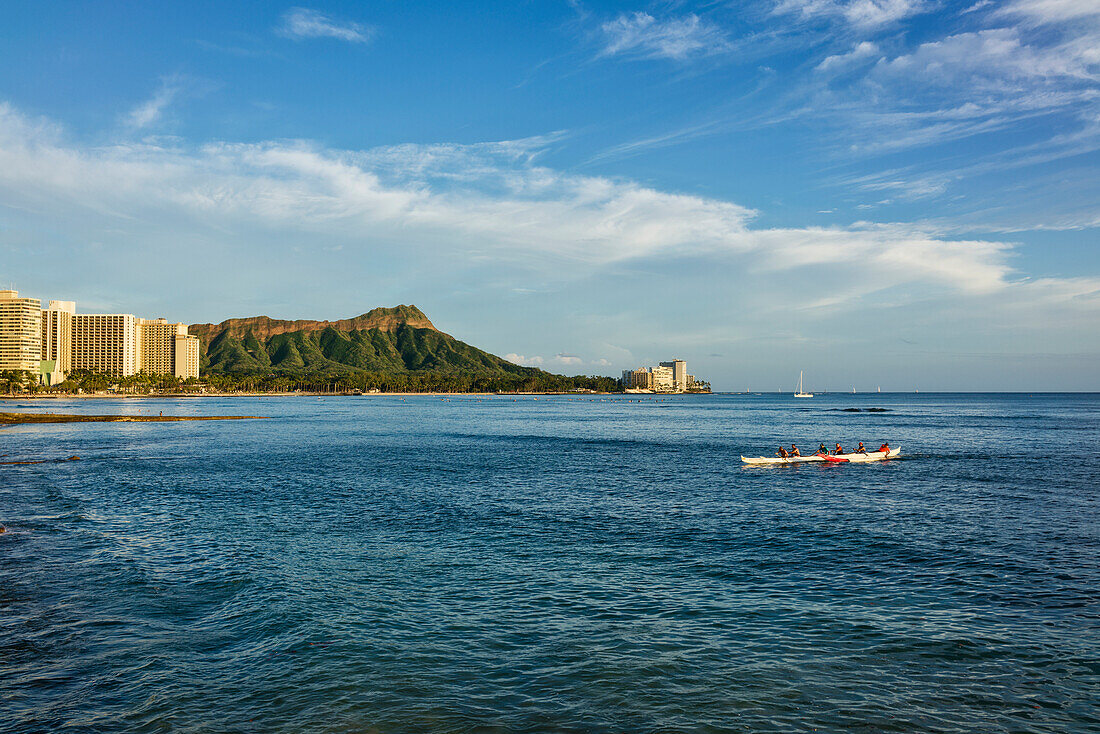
x=383 y=340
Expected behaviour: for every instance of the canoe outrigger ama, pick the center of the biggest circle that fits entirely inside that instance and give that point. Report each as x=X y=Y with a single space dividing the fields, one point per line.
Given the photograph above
x=860 y=458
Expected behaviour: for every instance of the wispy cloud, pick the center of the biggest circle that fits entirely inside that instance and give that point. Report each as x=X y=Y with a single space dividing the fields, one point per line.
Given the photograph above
x=1052 y=11
x=641 y=35
x=861 y=14
x=302 y=23
x=488 y=203
x=862 y=51
x=152 y=110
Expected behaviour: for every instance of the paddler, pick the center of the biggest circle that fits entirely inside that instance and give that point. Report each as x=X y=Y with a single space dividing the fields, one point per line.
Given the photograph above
x=782 y=453
x=860 y=449
x=838 y=451
x=795 y=451
x=822 y=450
x=885 y=448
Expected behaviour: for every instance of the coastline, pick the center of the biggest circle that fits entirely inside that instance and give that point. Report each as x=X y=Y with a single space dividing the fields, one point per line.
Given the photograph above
x=15 y=419
x=301 y=394
x=116 y=396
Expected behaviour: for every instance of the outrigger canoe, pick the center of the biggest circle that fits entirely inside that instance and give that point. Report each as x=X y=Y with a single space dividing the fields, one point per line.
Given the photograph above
x=838 y=459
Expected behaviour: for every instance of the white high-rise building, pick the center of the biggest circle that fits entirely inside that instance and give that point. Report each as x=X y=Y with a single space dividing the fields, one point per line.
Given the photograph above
x=106 y=343
x=57 y=340
x=679 y=374
x=20 y=332
x=666 y=377
x=663 y=379
x=53 y=342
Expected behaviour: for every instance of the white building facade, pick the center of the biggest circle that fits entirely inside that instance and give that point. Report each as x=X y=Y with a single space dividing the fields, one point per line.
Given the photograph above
x=665 y=377
x=20 y=332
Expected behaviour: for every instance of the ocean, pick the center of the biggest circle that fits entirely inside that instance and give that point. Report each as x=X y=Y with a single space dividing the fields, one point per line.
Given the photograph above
x=553 y=564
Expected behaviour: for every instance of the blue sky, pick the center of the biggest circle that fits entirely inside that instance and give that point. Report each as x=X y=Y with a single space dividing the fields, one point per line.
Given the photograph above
x=879 y=192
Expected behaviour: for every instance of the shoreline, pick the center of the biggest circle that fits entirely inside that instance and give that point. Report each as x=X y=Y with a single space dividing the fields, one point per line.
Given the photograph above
x=330 y=394
x=293 y=395
x=16 y=419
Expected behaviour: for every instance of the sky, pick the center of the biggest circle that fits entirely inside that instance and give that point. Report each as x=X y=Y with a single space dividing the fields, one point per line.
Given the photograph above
x=901 y=194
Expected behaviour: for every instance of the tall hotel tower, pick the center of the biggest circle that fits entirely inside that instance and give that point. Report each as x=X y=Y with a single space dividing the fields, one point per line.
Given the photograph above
x=57 y=340
x=53 y=342
x=106 y=343
x=20 y=332
x=167 y=349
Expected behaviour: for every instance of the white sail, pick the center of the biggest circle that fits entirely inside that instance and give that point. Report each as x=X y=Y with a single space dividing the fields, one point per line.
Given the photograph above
x=801 y=394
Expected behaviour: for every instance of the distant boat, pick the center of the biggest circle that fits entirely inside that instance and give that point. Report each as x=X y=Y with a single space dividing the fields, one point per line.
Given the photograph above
x=801 y=394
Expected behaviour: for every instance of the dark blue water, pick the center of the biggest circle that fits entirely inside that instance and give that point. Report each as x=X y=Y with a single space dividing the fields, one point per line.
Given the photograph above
x=585 y=564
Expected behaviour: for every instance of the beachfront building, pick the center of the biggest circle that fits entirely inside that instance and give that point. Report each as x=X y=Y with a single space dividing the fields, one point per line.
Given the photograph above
x=54 y=341
x=185 y=362
x=123 y=345
x=665 y=377
x=20 y=332
x=641 y=379
x=679 y=374
x=57 y=341
x=167 y=349
x=106 y=343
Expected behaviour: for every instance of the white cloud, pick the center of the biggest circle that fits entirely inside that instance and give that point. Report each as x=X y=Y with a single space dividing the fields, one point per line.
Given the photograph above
x=567 y=360
x=299 y=23
x=520 y=359
x=996 y=59
x=862 y=50
x=1052 y=11
x=863 y=14
x=454 y=203
x=641 y=35
x=152 y=110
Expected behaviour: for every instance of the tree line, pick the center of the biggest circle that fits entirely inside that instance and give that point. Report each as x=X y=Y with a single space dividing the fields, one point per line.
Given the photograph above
x=274 y=381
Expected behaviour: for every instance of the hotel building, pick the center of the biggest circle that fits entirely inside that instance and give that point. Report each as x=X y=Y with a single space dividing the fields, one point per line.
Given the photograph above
x=665 y=377
x=106 y=343
x=679 y=374
x=641 y=379
x=186 y=362
x=54 y=341
x=57 y=341
x=20 y=332
x=167 y=349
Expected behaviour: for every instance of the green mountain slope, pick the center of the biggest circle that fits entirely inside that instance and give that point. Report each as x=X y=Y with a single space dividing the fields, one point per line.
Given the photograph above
x=385 y=340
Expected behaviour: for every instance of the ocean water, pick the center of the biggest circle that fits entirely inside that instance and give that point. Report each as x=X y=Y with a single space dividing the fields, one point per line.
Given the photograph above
x=588 y=564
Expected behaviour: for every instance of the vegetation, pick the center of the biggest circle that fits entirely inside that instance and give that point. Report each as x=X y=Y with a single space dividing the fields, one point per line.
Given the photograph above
x=331 y=381
x=394 y=357
x=398 y=351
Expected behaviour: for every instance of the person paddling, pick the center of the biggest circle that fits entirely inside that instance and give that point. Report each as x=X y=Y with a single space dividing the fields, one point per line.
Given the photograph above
x=885 y=448
x=838 y=451
x=795 y=451
x=782 y=453
x=860 y=449
x=822 y=450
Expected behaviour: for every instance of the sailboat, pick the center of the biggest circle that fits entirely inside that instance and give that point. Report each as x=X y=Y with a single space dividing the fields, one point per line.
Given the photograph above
x=801 y=394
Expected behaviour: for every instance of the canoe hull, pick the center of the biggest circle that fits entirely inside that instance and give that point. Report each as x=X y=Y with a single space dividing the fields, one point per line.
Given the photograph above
x=840 y=459
x=777 y=460
x=870 y=456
